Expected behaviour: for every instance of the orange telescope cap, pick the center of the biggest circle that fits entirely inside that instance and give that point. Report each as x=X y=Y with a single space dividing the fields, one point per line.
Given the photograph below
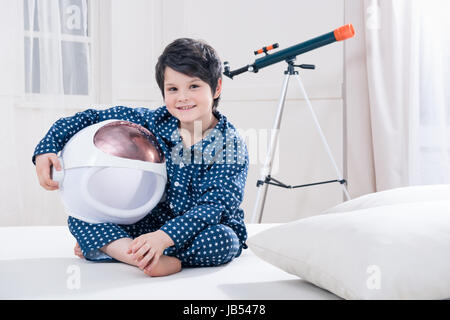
x=344 y=32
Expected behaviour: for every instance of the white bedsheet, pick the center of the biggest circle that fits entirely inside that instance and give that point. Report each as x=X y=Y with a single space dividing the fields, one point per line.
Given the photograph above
x=38 y=263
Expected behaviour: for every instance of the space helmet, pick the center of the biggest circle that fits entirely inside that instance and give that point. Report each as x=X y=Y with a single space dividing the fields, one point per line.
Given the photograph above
x=112 y=171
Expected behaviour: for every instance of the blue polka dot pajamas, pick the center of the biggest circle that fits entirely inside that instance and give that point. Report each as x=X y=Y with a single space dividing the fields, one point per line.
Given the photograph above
x=205 y=187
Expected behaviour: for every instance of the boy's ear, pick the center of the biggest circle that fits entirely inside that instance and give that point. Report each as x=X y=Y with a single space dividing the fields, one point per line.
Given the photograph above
x=218 y=88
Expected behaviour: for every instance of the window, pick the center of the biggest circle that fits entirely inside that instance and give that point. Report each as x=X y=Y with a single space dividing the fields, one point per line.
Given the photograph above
x=58 y=47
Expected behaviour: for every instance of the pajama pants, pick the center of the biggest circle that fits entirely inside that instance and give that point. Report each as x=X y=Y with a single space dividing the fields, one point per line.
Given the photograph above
x=214 y=245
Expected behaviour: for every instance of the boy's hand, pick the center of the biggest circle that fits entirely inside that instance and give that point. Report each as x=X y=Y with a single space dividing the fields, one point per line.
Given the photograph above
x=149 y=247
x=44 y=163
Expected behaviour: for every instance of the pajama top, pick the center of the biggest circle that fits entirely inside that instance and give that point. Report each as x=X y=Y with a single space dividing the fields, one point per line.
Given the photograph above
x=205 y=183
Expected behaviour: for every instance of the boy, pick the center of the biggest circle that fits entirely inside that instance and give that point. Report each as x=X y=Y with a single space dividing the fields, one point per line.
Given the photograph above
x=200 y=222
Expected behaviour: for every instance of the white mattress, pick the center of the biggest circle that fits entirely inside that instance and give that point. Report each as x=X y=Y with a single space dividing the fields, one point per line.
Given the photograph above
x=38 y=263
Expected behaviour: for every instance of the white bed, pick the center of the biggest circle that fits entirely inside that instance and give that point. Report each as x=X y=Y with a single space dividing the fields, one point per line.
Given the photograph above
x=38 y=263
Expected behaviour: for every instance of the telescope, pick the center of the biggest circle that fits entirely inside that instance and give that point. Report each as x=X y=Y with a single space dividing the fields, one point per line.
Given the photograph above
x=290 y=53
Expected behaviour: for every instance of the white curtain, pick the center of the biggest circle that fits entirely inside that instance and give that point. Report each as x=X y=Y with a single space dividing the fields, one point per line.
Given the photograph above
x=45 y=63
x=432 y=152
x=408 y=53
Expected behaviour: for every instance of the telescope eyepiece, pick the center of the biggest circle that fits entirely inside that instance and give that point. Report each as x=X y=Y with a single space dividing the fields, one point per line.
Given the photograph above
x=226 y=69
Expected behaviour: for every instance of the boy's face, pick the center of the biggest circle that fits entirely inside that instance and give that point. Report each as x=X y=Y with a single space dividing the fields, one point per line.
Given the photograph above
x=188 y=98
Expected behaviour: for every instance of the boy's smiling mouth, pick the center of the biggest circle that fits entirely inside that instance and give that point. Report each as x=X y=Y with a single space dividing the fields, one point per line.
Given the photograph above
x=186 y=107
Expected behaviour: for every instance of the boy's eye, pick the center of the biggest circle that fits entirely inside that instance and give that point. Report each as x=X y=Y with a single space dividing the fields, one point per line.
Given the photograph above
x=172 y=89
x=193 y=86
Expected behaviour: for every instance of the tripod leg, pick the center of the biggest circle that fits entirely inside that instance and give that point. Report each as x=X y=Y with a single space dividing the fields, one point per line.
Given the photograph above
x=266 y=170
x=322 y=136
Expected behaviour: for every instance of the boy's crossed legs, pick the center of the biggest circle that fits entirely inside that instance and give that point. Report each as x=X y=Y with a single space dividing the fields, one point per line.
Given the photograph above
x=215 y=245
x=115 y=241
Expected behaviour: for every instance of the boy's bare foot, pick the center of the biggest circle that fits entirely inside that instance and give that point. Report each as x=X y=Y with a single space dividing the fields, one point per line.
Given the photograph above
x=166 y=266
x=77 y=251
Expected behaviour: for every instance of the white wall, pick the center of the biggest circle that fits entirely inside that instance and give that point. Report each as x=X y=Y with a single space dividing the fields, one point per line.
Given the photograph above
x=141 y=29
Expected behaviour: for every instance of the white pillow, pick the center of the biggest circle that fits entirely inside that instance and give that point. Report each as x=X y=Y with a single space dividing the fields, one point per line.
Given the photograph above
x=395 y=196
x=388 y=252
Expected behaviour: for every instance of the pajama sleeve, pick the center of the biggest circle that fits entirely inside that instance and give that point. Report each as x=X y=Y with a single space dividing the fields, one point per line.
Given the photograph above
x=65 y=128
x=221 y=193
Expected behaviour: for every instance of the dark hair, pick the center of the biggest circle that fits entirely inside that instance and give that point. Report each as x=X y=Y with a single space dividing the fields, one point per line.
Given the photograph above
x=193 y=58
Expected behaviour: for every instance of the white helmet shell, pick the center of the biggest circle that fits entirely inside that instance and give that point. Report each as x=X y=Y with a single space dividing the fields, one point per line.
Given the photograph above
x=113 y=171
